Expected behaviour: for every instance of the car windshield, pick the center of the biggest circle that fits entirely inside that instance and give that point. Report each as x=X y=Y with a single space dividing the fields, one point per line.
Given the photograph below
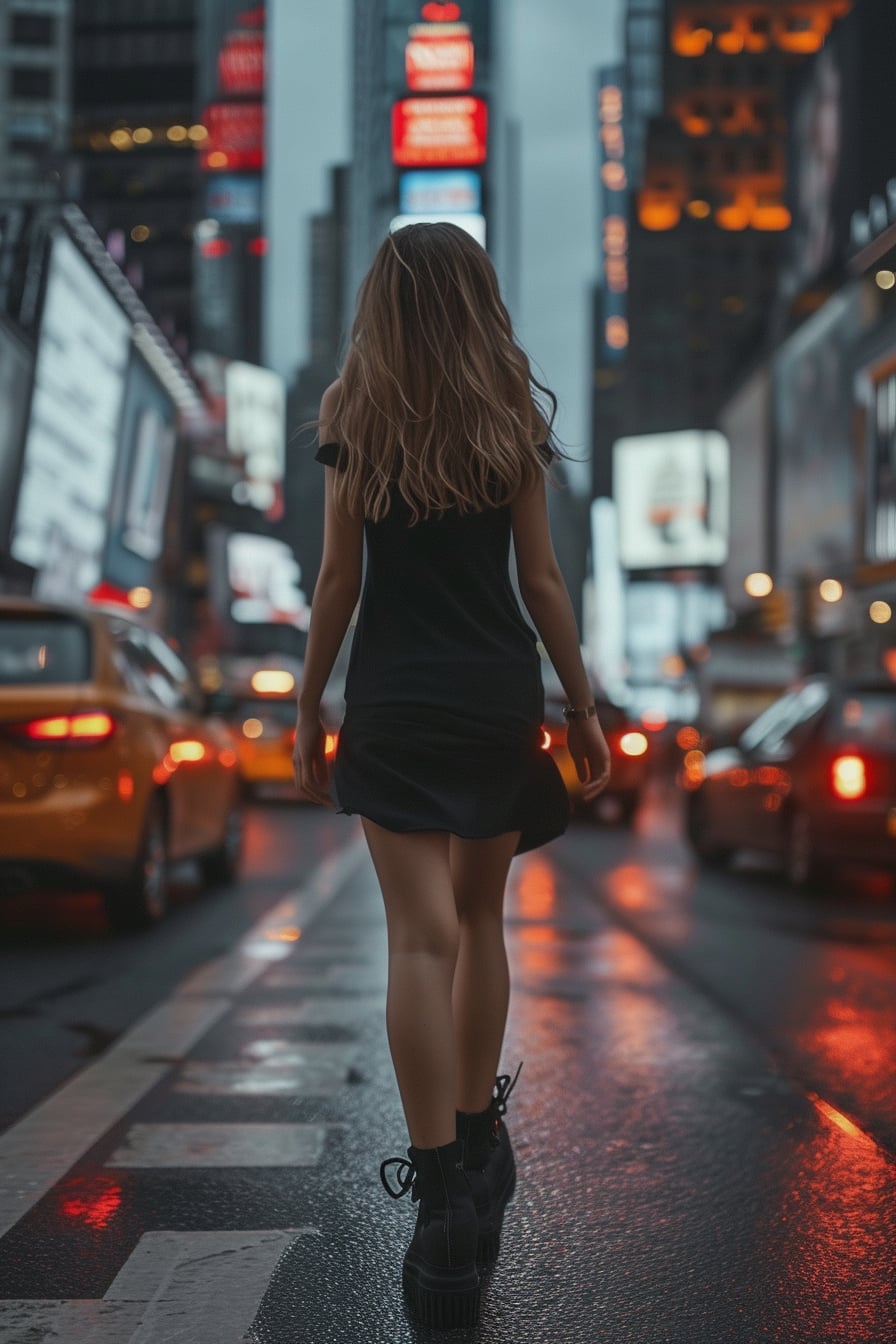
x=43 y=651
x=866 y=716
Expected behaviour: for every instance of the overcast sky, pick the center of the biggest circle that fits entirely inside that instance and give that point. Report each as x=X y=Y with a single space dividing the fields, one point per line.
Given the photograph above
x=552 y=51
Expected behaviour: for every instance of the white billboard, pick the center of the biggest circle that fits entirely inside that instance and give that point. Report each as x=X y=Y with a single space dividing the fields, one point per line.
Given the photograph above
x=671 y=493
x=72 y=439
x=256 y=433
x=264 y=580
x=472 y=224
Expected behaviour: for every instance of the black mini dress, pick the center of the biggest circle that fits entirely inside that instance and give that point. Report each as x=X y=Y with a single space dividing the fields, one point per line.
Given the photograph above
x=444 y=699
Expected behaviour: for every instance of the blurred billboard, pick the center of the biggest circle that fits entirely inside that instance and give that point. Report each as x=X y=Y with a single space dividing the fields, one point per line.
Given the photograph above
x=439 y=132
x=61 y=517
x=815 y=523
x=255 y=580
x=142 y=480
x=843 y=145
x=745 y=420
x=456 y=191
x=671 y=492
x=15 y=379
x=256 y=434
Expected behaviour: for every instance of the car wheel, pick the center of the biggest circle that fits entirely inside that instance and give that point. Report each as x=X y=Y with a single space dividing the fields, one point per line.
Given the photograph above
x=800 y=862
x=707 y=850
x=222 y=864
x=142 y=898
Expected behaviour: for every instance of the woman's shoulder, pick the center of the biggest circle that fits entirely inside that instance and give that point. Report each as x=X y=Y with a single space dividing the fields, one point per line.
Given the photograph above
x=329 y=403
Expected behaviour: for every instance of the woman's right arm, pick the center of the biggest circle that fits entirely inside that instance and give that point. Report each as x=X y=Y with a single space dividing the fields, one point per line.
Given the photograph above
x=545 y=594
x=335 y=597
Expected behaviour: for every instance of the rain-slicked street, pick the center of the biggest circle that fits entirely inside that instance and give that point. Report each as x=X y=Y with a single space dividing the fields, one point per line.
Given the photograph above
x=705 y=1122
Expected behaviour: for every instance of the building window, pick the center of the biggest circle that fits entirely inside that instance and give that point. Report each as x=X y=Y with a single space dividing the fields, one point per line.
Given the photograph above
x=27 y=81
x=32 y=30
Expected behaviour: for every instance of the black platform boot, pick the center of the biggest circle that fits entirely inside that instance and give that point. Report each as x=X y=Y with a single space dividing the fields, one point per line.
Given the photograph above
x=489 y=1165
x=440 y=1278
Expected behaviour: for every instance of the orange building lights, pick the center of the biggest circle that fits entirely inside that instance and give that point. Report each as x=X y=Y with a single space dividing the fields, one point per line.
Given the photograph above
x=798 y=27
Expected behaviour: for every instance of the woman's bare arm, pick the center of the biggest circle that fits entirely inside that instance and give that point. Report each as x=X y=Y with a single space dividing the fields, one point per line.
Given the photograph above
x=545 y=594
x=335 y=597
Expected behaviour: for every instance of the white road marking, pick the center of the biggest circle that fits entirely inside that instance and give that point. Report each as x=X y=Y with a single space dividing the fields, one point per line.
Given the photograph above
x=301 y=1070
x=318 y=1011
x=175 y=1288
x=39 y=1149
x=220 y=1145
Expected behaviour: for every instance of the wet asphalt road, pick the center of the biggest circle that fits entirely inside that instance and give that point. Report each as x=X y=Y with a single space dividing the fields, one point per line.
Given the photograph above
x=705 y=1124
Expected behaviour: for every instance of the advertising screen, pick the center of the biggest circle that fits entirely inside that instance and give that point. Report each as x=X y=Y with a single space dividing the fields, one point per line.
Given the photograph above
x=456 y=191
x=235 y=137
x=439 y=57
x=815 y=485
x=15 y=374
x=745 y=420
x=439 y=132
x=255 y=579
x=234 y=198
x=142 y=478
x=671 y=492
x=256 y=433
x=72 y=437
x=843 y=145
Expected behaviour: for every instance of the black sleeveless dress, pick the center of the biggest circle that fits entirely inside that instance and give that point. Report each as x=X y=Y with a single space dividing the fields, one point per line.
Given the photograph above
x=444 y=700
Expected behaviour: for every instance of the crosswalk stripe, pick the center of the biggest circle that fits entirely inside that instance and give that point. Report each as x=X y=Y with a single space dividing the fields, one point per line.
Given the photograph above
x=175 y=1288
x=38 y=1150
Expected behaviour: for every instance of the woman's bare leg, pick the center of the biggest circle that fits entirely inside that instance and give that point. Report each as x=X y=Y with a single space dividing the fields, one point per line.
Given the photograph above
x=481 y=989
x=415 y=879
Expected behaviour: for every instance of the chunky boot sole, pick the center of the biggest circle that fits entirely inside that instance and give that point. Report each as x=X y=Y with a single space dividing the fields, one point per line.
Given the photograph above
x=444 y=1298
x=488 y=1244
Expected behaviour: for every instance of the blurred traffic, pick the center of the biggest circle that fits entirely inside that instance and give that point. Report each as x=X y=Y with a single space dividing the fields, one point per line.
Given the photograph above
x=110 y=771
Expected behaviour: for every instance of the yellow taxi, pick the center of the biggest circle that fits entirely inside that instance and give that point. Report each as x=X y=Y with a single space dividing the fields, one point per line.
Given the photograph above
x=259 y=702
x=110 y=771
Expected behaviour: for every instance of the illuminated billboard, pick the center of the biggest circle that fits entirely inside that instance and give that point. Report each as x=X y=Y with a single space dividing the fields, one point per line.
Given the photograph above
x=439 y=132
x=456 y=191
x=815 y=487
x=71 y=445
x=139 y=503
x=671 y=493
x=235 y=137
x=613 y=211
x=255 y=579
x=256 y=434
x=15 y=374
x=439 y=57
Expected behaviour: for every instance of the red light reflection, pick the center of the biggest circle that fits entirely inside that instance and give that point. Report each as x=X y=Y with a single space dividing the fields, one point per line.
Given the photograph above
x=537 y=889
x=95 y=1202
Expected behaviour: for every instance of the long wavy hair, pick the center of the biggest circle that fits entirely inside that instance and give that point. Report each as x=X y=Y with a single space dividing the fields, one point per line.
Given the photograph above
x=436 y=397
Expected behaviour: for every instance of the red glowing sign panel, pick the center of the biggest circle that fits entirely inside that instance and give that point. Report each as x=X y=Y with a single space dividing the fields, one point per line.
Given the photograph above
x=439 y=58
x=235 y=136
x=241 y=63
x=439 y=132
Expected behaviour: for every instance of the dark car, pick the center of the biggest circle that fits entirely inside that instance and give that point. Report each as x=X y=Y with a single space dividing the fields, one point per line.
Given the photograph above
x=109 y=771
x=811 y=780
x=629 y=753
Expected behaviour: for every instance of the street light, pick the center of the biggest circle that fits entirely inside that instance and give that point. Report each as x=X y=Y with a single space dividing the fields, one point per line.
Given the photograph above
x=830 y=590
x=758 y=584
x=880 y=612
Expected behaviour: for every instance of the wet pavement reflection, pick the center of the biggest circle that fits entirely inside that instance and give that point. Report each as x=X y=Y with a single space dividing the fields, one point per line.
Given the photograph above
x=703 y=1126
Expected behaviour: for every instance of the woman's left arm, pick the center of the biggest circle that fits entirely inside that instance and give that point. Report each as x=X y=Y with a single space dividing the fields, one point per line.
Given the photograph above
x=335 y=597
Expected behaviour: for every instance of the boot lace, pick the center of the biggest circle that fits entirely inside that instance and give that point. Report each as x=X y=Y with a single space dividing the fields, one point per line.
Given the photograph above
x=404 y=1176
x=504 y=1085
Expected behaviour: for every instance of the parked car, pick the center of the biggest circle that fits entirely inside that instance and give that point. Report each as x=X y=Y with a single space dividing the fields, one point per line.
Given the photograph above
x=629 y=753
x=109 y=770
x=811 y=780
x=258 y=700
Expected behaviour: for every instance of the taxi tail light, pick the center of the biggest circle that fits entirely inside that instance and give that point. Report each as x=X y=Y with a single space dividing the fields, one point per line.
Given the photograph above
x=633 y=744
x=85 y=729
x=849 y=779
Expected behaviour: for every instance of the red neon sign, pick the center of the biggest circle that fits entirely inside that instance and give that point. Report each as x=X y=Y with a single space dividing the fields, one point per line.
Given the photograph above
x=241 y=63
x=439 y=58
x=435 y=13
x=235 y=136
x=439 y=132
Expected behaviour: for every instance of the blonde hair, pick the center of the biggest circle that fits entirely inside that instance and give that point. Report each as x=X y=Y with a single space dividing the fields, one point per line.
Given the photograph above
x=435 y=395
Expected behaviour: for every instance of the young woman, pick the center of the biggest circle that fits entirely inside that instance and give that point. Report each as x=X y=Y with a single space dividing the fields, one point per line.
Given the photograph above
x=436 y=450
